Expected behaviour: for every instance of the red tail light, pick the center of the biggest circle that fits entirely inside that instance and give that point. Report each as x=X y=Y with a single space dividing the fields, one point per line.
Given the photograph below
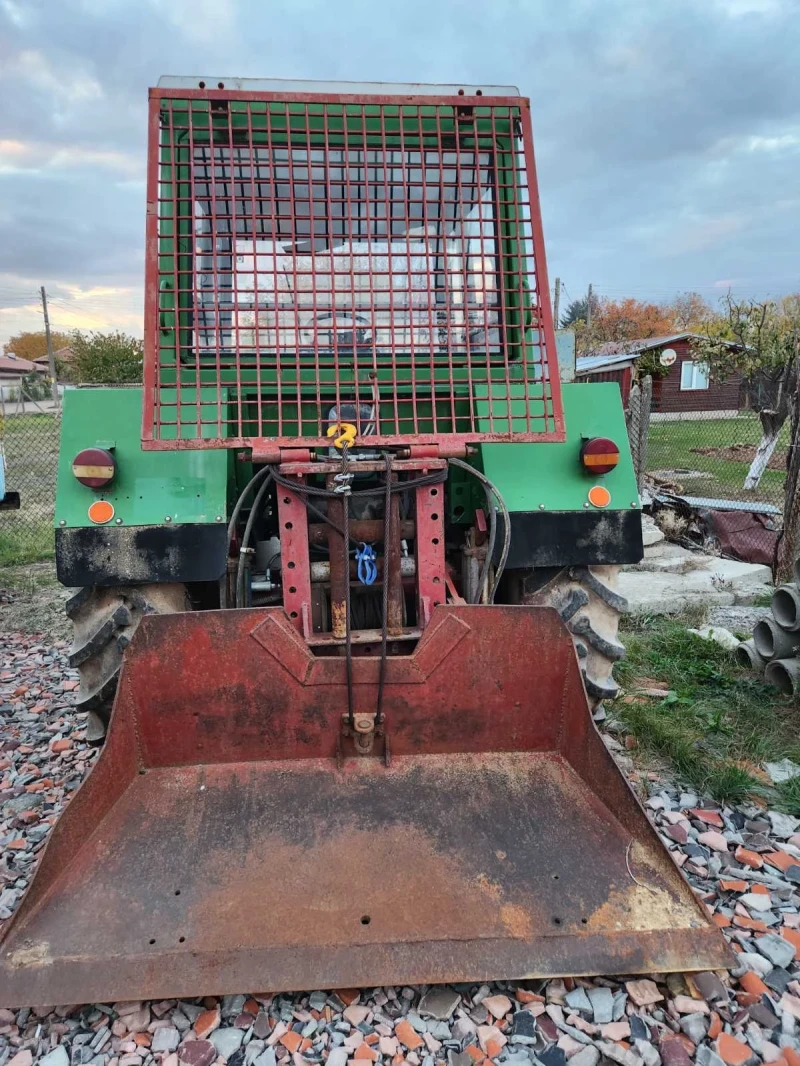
x=94 y=467
x=599 y=455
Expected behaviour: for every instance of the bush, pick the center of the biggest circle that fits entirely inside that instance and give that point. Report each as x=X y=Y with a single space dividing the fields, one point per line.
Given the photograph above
x=106 y=358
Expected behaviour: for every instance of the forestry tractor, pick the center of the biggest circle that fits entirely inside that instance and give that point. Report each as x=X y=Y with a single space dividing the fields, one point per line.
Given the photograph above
x=344 y=565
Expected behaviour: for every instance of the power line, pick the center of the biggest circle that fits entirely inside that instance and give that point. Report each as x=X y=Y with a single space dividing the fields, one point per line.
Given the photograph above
x=75 y=309
x=81 y=307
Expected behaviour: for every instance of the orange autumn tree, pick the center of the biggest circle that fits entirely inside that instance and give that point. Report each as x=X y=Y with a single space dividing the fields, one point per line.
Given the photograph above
x=622 y=321
x=32 y=346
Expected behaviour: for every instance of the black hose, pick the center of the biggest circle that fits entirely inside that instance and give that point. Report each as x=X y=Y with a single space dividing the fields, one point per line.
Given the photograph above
x=262 y=473
x=245 y=546
x=254 y=480
x=488 y=488
x=397 y=486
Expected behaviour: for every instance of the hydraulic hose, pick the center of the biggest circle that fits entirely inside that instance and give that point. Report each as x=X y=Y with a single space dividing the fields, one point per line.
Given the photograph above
x=245 y=547
x=491 y=490
x=254 y=480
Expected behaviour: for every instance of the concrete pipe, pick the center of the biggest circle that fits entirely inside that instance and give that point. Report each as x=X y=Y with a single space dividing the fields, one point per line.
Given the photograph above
x=786 y=607
x=784 y=674
x=773 y=642
x=746 y=655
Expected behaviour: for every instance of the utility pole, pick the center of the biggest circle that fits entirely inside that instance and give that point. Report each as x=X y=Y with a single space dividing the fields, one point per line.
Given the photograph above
x=589 y=306
x=556 y=302
x=51 y=359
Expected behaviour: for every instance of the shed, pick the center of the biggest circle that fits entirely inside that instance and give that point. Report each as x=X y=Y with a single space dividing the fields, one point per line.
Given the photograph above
x=608 y=366
x=684 y=390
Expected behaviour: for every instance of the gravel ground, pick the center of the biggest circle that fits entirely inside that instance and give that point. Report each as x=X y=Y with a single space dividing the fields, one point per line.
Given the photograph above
x=743 y=862
x=738 y=619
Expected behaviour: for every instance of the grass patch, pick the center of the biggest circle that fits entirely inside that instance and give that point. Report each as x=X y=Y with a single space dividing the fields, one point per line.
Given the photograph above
x=762 y=599
x=720 y=722
x=30 y=443
x=24 y=540
x=789 y=796
x=670 y=444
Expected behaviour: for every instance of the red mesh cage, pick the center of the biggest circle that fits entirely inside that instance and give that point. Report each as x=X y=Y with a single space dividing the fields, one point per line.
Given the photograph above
x=315 y=259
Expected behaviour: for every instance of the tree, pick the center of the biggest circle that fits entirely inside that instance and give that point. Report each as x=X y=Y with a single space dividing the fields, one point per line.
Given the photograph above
x=576 y=311
x=32 y=386
x=629 y=320
x=760 y=341
x=106 y=358
x=620 y=322
x=689 y=311
x=33 y=345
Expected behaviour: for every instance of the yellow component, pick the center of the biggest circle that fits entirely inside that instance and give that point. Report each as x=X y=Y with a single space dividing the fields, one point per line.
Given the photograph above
x=599 y=496
x=344 y=432
x=93 y=471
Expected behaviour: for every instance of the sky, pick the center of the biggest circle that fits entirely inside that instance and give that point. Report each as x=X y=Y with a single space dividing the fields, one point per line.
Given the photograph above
x=667 y=132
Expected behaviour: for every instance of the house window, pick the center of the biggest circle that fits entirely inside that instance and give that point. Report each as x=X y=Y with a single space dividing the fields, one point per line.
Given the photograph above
x=693 y=376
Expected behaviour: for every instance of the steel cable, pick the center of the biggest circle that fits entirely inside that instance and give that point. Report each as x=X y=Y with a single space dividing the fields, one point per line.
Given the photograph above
x=387 y=533
x=348 y=650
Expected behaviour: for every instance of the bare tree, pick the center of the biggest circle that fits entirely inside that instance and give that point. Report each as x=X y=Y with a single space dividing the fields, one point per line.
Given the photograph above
x=690 y=311
x=759 y=340
x=789 y=540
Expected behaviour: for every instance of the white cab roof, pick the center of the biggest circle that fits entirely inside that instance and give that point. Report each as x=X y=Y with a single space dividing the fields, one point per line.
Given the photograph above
x=359 y=88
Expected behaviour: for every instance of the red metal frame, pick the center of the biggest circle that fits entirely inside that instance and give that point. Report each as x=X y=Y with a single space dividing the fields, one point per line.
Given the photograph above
x=274 y=312
x=431 y=570
x=431 y=575
x=295 y=565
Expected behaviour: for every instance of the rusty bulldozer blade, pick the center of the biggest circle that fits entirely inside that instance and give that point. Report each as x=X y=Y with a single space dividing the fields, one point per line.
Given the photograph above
x=218 y=846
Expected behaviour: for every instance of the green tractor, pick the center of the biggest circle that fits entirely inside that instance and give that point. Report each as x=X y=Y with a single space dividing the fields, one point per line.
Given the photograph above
x=163 y=545
x=316 y=262
x=347 y=557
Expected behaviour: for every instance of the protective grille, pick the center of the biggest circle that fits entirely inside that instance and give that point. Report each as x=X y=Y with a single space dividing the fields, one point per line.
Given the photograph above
x=357 y=259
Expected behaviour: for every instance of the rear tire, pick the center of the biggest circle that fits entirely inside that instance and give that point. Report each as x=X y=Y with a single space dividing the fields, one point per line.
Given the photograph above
x=104 y=621
x=590 y=607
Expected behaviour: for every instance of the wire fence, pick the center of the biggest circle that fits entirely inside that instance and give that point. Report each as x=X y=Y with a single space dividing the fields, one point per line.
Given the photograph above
x=696 y=464
x=29 y=434
x=709 y=470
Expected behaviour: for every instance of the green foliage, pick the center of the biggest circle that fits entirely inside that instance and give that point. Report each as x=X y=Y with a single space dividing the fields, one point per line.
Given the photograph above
x=649 y=364
x=751 y=337
x=789 y=796
x=721 y=722
x=106 y=358
x=34 y=387
x=576 y=311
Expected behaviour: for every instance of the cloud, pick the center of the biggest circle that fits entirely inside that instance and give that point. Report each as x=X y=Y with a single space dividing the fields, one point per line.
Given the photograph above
x=32 y=157
x=667 y=133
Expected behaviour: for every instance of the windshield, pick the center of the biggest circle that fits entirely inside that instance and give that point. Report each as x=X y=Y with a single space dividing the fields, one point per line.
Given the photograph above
x=314 y=248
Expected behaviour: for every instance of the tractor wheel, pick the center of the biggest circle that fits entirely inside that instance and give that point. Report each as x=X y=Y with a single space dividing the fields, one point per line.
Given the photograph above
x=104 y=621
x=586 y=599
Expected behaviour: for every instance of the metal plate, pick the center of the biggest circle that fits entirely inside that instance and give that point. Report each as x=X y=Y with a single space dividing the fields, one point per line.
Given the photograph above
x=217 y=848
